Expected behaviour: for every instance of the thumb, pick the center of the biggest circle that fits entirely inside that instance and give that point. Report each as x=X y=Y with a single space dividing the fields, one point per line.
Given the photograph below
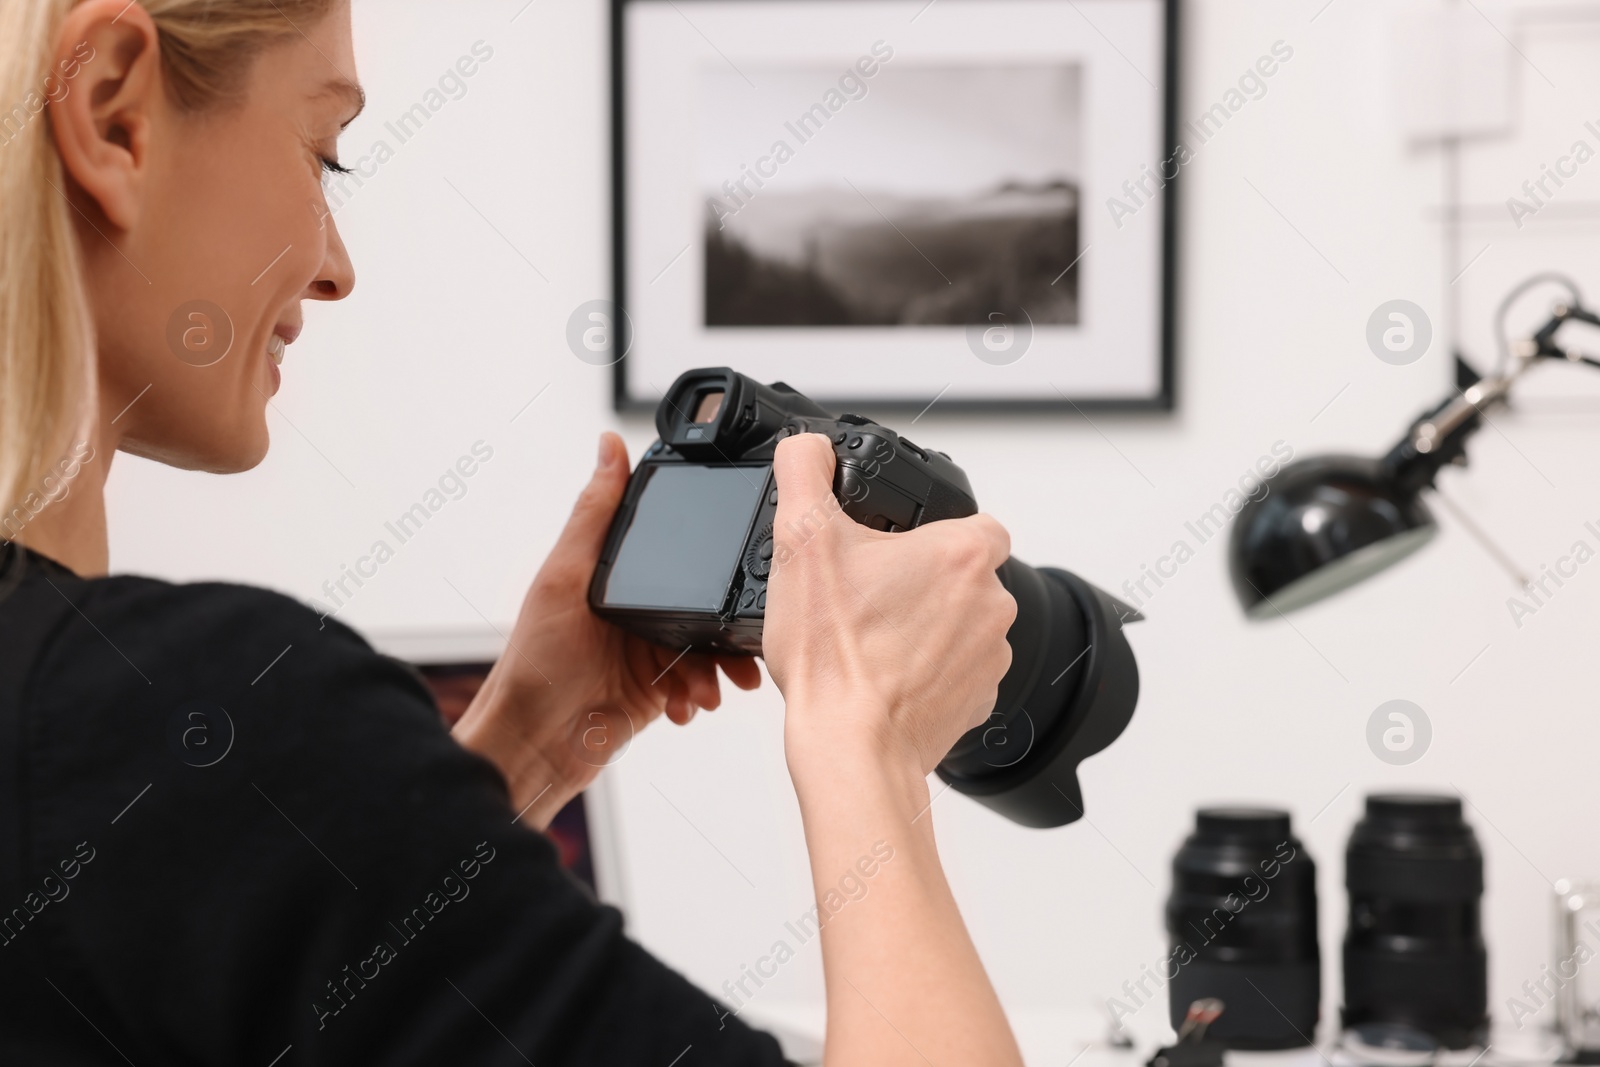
x=803 y=466
x=585 y=533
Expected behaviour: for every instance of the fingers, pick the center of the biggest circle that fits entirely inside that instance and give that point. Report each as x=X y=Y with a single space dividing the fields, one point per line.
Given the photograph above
x=684 y=682
x=581 y=540
x=742 y=671
x=699 y=675
x=996 y=536
x=678 y=708
x=803 y=466
x=979 y=538
x=691 y=684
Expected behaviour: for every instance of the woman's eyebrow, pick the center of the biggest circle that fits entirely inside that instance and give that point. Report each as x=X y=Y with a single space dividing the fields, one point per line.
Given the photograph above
x=349 y=91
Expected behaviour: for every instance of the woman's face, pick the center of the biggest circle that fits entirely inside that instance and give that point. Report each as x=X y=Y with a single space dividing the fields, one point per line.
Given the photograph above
x=220 y=231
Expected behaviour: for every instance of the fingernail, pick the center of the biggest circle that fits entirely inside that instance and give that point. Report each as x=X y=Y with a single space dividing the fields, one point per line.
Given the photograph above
x=602 y=455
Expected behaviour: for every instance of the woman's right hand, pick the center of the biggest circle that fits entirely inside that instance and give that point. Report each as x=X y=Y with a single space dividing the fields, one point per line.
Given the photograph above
x=894 y=641
x=887 y=647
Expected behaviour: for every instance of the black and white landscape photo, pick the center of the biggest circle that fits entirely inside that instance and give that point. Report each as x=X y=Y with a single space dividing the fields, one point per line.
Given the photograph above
x=917 y=196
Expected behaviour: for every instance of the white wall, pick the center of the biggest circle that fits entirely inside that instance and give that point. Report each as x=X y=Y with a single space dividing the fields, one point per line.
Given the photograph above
x=450 y=332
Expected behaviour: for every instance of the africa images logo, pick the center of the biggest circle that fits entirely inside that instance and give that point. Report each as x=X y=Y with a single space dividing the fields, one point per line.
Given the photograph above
x=200 y=733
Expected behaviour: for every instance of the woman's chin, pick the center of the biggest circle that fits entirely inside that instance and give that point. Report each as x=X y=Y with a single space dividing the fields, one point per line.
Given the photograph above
x=216 y=457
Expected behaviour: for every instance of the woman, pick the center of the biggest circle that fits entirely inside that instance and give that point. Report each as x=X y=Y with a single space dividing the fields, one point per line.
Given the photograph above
x=353 y=883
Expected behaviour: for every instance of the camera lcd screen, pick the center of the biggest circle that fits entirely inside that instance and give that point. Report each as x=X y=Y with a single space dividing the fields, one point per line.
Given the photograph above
x=686 y=537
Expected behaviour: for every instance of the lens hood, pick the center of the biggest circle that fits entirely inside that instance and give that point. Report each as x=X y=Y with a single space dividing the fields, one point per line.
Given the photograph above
x=1069 y=693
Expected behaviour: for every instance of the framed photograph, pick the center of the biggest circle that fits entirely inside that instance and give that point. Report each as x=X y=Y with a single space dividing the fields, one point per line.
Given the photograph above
x=892 y=204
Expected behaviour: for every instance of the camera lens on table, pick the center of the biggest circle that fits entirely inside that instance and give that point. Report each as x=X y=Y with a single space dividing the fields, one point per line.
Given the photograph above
x=1414 y=954
x=1243 y=924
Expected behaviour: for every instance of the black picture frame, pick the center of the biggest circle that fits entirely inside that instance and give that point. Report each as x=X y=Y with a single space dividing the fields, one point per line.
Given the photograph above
x=1164 y=401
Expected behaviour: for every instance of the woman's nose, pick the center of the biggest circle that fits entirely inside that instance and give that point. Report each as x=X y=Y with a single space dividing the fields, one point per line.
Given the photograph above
x=337 y=276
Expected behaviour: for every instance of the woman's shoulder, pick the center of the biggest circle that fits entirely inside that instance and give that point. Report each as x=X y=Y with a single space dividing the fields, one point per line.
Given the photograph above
x=218 y=694
x=41 y=597
x=45 y=597
x=77 y=650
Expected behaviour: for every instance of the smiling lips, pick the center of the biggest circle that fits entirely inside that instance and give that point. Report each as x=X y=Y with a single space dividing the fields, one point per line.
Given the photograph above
x=282 y=337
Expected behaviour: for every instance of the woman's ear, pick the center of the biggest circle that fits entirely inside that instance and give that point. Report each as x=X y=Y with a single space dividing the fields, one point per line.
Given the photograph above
x=104 y=86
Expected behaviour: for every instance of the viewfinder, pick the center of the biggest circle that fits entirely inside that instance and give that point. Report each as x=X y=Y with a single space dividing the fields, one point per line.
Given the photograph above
x=706 y=408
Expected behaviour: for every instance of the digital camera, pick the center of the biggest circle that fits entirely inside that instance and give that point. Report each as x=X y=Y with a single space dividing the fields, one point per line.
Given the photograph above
x=692 y=546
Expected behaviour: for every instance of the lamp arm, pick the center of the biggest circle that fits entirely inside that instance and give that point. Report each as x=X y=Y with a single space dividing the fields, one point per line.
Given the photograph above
x=1542 y=345
x=1430 y=433
x=1440 y=435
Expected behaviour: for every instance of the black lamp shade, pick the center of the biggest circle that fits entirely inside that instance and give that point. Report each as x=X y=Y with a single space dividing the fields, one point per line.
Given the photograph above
x=1324 y=524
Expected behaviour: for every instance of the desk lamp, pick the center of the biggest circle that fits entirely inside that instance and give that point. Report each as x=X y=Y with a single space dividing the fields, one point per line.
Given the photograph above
x=1328 y=522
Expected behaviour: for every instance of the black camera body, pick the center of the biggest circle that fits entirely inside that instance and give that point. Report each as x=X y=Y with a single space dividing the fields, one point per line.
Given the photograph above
x=710 y=482
x=692 y=545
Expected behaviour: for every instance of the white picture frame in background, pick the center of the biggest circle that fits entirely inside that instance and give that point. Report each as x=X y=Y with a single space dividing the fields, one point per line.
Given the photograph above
x=888 y=203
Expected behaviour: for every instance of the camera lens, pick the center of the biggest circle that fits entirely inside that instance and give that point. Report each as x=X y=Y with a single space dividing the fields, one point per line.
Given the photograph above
x=1414 y=954
x=1070 y=691
x=1242 y=920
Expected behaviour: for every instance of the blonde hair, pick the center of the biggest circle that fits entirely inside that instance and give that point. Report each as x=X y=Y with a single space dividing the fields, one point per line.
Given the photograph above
x=47 y=371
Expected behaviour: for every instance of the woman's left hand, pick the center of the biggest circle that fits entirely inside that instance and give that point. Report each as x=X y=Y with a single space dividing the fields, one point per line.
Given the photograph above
x=571 y=690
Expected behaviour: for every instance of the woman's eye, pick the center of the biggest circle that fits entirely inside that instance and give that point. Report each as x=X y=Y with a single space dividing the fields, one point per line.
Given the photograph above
x=332 y=166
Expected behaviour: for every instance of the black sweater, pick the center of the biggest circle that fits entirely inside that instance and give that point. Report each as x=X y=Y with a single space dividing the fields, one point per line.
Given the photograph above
x=231 y=833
